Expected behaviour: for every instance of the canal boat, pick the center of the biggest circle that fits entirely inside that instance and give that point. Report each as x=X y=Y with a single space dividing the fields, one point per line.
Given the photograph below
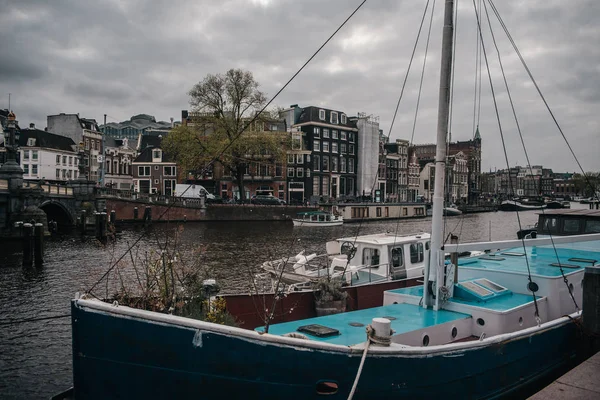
x=564 y=222
x=317 y=218
x=485 y=328
x=519 y=205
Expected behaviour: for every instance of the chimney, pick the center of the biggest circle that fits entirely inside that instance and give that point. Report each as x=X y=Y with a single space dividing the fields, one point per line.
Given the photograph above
x=32 y=126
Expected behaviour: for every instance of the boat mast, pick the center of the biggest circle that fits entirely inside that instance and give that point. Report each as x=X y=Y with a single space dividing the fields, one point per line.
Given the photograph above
x=436 y=259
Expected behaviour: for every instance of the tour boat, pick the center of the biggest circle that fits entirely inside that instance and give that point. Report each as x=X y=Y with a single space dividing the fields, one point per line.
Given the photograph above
x=317 y=218
x=485 y=328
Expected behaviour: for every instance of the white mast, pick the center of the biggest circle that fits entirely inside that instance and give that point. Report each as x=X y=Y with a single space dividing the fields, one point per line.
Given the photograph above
x=436 y=260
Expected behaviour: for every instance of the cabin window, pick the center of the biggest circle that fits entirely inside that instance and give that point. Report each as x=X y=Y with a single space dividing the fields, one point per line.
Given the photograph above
x=370 y=257
x=416 y=253
x=571 y=226
x=592 y=227
x=550 y=225
x=396 y=256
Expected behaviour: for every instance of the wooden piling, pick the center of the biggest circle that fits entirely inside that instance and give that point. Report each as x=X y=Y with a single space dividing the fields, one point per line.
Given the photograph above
x=27 y=244
x=38 y=245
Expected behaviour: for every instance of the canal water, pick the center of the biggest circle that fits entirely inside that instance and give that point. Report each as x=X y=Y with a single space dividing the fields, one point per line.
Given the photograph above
x=35 y=357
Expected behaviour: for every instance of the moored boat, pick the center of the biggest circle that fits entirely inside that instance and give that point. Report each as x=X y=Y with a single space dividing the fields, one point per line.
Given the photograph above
x=515 y=205
x=317 y=218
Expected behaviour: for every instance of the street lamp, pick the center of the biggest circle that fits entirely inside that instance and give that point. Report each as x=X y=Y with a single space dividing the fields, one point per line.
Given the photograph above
x=11 y=141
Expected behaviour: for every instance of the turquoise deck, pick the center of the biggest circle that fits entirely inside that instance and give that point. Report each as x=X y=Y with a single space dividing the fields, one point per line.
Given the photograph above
x=408 y=318
x=539 y=259
x=501 y=303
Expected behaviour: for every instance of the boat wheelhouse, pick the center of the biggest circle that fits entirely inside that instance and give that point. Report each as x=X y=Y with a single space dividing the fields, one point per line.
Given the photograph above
x=317 y=218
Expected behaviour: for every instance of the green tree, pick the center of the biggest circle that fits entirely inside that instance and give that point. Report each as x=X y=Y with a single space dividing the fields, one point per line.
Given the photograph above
x=223 y=105
x=588 y=184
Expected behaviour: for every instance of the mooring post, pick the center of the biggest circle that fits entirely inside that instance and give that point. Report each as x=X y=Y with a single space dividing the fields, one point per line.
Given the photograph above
x=591 y=305
x=113 y=216
x=148 y=214
x=38 y=244
x=135 y=213
x=83 y=223
x=27 y=244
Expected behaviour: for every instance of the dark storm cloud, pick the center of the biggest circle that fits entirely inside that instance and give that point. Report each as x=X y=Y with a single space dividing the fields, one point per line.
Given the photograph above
x=124 y=57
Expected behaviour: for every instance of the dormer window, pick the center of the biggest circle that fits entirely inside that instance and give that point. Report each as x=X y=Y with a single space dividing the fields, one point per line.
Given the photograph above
x=156 y=155
x=343 y=118
x=322 y=115
x=31 y=142
x=334 y=117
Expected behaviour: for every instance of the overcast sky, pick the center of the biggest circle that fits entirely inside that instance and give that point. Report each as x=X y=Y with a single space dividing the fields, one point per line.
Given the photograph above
x=125 y=57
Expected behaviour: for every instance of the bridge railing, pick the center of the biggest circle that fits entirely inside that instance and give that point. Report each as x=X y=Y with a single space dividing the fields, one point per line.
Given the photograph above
x=50 y=188
x=150 y=198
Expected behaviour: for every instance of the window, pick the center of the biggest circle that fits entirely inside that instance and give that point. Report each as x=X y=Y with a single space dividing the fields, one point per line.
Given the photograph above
x=278 y=169
x=316 y=132
x=550 y=225
x=342 y=164
x=290 y=159
x=351 y=165
x=592 y=226
x=296 y=141
x=316 y=145
x=343 y=148
x=325 y=186
x=143 y=171
x=396 y=257
x=299 y=158
x=351 y=149
x=290 y=172
x=156 y=167
x=334 y=117
x=334 y=134
x=316 y=163
x=25 y=169
x=58 y=174
x=300 y=172
x=322 y=115
x=315 y=185
x=571 y=226
x=416 y=253
x=334 y=164
x=169 y=171
x=325 y=147
x=70 y=160
x=156 y=154
x=325 y=133
x=156 y=181
x=370 y=257
x=87 y=144
x=343 y=134
x=351 y=137
x=325 y=164
x=334 y=147
x=26 y=155
x=64 y=160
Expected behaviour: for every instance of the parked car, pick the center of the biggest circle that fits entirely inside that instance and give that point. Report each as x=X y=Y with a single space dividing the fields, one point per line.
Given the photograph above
x=266 y=200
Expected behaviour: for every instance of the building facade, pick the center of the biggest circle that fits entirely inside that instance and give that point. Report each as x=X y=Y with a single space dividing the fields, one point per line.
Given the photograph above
x=81 y=130
x=153 y=170
x=118 y=160
x=141 y=124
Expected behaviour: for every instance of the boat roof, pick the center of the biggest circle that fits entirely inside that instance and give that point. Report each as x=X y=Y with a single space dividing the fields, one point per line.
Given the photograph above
x=314 y=213
x=386 y=238
x=577 y=212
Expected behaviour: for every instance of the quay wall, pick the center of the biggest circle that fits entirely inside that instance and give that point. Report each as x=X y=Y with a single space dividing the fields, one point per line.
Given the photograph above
x=124 y=211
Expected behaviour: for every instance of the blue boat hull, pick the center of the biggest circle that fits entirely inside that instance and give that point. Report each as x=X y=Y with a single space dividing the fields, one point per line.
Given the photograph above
x=123 y=357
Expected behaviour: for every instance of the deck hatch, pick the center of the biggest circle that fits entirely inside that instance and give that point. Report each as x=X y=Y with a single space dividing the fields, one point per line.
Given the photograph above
x=492 y=257
x=318 y=330
x=583 y=260
x=572 y=266
x=477 y=289
x=490 y=285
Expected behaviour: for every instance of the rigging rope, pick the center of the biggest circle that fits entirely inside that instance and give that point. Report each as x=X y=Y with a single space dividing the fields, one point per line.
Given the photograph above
x=233 y=139
x=530 y=286
x=526 y=154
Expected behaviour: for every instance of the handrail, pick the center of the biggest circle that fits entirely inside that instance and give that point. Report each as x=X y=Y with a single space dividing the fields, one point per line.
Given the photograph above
x=505 y=244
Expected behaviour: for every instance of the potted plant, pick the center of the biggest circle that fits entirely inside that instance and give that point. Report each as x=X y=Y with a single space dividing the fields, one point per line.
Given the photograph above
x=329 y=296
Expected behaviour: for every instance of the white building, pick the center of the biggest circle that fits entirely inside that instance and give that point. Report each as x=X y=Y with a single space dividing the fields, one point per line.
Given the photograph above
x=46 y=156
x=118 y=159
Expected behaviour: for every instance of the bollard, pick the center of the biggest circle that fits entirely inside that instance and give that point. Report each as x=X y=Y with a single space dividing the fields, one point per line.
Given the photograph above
x=103 y=223
x=38 y=245
x=83 y=223
x=113 y=216
x=27 y=244
x=148 y=214
x=184 y=218
x=135 y=213
x=591 y=305
x=383 y=331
